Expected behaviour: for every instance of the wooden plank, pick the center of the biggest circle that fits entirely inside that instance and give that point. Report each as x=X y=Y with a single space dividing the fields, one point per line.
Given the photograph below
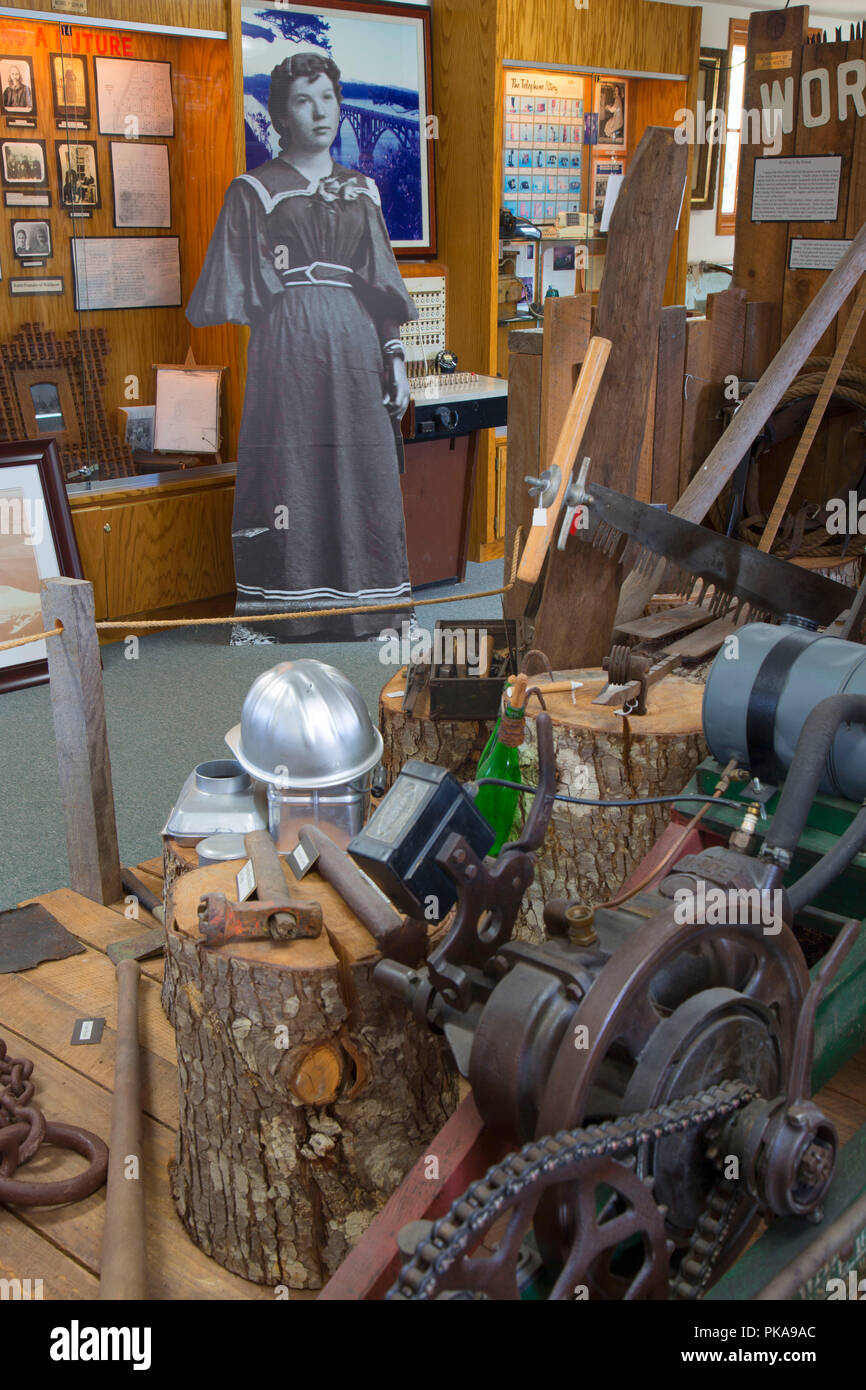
x=90 y=988
x=565 y=340
x=95 y=925
x=760 y=248
x=701 y=643
x=177 y=1269
x=696 y=389
x=78 y=707
x=667 y=427
x=630 y=301
x=644 y=482
x=681 y=619
x=30 y=1008
x=855 y=214
x=762 y=332
x=524 y=424
x=24 y=1254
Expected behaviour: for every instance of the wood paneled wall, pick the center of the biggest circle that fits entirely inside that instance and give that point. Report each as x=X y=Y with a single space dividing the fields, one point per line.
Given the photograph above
x=186 y=14
x=201 y=162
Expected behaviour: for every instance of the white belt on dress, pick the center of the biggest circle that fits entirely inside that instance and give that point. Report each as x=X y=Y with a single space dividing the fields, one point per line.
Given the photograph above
x=304 y=275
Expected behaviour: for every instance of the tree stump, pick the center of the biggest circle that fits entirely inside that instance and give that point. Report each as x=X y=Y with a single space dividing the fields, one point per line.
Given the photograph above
x=589 y=852
x=306 y=1092
x=456 y=744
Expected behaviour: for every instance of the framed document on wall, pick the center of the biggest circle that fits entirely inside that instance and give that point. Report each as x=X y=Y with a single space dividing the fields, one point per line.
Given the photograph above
x=135 y=272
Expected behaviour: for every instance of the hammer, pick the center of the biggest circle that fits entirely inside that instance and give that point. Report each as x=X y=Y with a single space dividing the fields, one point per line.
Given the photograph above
x=275 y=914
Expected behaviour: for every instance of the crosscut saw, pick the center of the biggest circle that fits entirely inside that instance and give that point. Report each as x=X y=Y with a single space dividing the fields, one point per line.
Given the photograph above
x=760 y=586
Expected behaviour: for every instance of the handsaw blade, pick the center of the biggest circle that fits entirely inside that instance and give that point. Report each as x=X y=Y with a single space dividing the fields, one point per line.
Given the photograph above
x=731 y=567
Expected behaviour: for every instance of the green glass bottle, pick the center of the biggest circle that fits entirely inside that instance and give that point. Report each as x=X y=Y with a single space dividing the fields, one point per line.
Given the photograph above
x=498 y=805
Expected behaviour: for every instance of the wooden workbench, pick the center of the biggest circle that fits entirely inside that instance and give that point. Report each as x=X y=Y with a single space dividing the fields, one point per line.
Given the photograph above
x=38 y=1009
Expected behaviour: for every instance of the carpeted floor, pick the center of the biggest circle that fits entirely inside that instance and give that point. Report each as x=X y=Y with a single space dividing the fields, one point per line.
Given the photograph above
x=166 y=711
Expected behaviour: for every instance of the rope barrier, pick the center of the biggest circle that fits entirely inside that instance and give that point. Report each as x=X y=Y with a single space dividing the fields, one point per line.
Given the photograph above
x=125 y=626
x=34 y=637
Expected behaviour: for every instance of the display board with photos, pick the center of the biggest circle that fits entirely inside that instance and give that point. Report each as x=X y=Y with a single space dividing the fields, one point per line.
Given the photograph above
x=563 y=134
x=542 y=143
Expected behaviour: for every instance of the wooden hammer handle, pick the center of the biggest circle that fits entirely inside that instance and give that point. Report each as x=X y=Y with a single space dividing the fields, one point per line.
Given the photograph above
x=271 y=884
x=565 y=454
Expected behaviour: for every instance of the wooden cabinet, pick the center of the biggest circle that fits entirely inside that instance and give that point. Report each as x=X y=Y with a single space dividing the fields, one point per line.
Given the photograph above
x=147 y=548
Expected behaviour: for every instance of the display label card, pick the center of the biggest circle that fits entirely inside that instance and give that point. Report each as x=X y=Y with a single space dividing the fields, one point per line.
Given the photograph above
x=770 y=62
x=126 y=272
x=28 y=200
x=87 y=1032
x=246 y=880
x=818 y=253
x=40 y=285
x=798 y=189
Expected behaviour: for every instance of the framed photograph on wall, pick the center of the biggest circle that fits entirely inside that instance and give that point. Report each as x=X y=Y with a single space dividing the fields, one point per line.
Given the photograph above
x=78 y=175
x=611 y=106
x=70 y=89
x=711 y=89
x=31 y=239
x=22 y=164
x=37 y=542
x=17 y=91
x=387 y=127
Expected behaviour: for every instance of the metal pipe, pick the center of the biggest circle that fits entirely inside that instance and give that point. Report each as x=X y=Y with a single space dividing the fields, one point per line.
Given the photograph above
x=122 y=1272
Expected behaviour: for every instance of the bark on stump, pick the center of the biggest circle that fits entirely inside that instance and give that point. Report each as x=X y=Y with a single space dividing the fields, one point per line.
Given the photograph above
x=306 y=1092
x=453 y=743
x=589 y=852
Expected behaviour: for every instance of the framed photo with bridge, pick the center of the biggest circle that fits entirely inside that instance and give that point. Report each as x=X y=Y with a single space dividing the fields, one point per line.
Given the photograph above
x=386 y=125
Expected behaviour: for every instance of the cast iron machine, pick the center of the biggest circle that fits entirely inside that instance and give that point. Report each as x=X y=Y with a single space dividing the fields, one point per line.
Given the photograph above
x=654 y=1061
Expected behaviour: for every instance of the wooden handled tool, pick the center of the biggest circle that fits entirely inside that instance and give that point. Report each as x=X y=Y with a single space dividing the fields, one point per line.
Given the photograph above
x=565 y=454
x=122 y=1272
x=275 y=914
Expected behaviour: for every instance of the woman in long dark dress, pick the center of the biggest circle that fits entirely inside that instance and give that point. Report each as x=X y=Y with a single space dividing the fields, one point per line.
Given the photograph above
x=301 y=254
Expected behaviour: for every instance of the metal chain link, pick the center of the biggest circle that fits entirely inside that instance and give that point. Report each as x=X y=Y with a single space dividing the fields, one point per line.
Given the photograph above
x=23 y=1128
x=505 y=1184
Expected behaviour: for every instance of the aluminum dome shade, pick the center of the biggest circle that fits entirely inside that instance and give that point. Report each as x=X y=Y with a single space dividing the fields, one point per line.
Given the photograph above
x=304 y=725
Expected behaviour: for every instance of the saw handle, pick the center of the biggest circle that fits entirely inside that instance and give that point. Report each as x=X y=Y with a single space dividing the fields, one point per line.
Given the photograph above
x=564 y=455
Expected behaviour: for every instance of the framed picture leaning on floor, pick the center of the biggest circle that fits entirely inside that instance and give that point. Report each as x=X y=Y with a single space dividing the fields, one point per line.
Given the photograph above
x=37 y=542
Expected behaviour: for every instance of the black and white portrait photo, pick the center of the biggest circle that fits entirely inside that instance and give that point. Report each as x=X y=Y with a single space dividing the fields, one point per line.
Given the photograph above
x=78 y=174
x=16 y=87
x=23 y=162
x=611 y=106
x=31 y=239
x=70 y=88
x=302 y=255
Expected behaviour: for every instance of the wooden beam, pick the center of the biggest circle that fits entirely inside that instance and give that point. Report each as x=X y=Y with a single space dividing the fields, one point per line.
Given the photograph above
x=78 y=706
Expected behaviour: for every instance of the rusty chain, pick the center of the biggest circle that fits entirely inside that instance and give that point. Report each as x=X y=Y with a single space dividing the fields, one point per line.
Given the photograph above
x=23 y=1128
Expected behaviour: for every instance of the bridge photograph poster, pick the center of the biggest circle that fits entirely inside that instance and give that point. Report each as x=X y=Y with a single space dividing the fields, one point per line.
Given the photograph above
x=386 y=126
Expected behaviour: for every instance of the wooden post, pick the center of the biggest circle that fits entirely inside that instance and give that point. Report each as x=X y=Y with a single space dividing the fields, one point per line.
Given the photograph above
x=77 y=702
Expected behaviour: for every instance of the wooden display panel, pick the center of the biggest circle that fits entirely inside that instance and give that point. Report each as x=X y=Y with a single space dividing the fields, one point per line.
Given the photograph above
x=201 y=165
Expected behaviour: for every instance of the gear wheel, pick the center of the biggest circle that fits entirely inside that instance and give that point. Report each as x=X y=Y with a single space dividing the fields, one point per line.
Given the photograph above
x=590 y=1159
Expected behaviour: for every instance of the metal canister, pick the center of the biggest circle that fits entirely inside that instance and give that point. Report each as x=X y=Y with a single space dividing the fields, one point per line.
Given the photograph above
x=761 y=688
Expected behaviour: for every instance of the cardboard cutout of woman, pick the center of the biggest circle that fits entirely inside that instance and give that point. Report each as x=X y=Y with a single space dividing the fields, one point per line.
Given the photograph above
x=301 y=254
